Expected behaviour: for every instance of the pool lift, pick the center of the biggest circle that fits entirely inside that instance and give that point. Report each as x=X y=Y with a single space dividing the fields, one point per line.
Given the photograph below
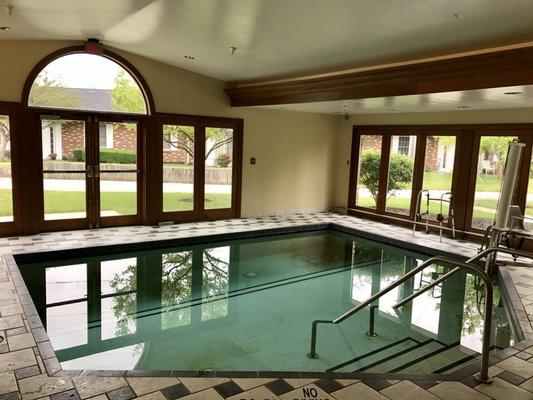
x=445 y=198
x=508 y=221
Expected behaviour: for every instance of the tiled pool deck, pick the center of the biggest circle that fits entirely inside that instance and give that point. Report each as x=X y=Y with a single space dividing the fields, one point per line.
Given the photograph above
x=29 y=369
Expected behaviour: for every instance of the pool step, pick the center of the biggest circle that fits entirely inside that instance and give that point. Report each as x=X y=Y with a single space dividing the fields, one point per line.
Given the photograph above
x=377 y=355
x=410 y=356
x=398 y=360
x=449 y=355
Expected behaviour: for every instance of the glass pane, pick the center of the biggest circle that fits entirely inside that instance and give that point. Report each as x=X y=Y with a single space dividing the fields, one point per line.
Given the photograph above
x=178 y=168
x=176 y=289
x=66 y=283
x=491 y=162
x=63 y=151
x=6 y=194
x=118 y=190
x=400 y=179
x=87 y=82
x=118 y=276
x=368 y=171
x=66 y=325
x=218 y=167
x=118 y=315
x=215 y=283
x=438 y=172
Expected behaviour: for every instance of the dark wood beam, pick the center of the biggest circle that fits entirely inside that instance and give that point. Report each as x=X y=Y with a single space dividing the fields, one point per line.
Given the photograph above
x=480 y=71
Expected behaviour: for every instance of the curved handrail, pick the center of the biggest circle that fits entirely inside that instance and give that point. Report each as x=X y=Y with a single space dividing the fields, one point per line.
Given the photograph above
x=424 y=289
x=466 y=264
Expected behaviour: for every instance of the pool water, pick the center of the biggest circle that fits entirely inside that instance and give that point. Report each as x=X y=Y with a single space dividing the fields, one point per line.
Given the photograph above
x=248 y=305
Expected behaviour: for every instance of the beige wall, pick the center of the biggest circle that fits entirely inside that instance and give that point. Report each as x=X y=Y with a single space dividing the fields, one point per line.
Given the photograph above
x=344 y=138
x=294 y=151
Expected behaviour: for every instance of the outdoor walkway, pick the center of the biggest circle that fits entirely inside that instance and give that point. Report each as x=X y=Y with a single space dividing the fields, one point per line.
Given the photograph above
x=74 y=185
x=29 y=369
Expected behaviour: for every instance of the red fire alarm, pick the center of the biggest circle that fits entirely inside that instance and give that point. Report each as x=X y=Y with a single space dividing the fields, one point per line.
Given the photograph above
x=93 y=46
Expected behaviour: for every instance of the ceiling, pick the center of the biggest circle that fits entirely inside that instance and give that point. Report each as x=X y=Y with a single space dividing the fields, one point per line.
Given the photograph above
x=467 y=100
x=276 y=37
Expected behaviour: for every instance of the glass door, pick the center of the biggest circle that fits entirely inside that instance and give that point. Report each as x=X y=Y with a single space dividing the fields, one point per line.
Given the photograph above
x=116 y=172
x=90 y=172
x=65 y=172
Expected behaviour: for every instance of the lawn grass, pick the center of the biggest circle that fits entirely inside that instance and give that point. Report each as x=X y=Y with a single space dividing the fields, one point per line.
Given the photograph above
x=124 y=203
x=443 y=181
x=434 y=207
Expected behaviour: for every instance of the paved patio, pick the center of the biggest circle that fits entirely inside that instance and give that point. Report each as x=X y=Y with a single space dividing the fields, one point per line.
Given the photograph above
x=29 y=369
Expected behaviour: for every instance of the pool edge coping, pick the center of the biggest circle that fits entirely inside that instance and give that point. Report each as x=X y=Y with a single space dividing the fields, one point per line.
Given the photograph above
x=53 y=367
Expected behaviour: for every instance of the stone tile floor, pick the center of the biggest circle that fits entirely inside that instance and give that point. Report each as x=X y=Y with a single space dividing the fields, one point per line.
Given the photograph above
x=29 y=369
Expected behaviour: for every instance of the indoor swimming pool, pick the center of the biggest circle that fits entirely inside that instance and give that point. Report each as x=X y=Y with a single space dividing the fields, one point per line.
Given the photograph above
x=248 y=305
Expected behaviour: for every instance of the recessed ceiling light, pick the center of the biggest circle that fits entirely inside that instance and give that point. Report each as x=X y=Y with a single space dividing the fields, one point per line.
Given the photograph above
x=513 y=93
x=463 y=107
x=5 y=28
x=189 y=57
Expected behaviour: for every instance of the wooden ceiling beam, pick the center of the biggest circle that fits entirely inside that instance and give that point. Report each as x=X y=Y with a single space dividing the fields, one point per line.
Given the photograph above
x=488 y=70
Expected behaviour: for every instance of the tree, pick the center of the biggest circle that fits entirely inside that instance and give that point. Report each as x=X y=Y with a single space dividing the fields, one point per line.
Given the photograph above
x=182 y=137
x=400 y=172
x=497 y=145
x=48 y=92
x=176 y=290
x=4 y=136
x=126 y=95
x=445 y=141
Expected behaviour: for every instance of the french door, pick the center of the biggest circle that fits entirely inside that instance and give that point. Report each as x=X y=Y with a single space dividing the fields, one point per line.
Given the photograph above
x=91 y=171
x=200 y=163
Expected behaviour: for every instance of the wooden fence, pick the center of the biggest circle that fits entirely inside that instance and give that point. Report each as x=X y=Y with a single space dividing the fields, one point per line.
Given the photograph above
x=171 y=174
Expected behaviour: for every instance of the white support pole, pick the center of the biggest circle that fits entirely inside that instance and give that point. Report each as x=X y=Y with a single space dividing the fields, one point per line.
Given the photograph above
x=501 y=219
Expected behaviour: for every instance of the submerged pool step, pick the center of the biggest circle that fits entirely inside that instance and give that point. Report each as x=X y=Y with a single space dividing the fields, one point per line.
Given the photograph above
x=410 y=356
x=377 y=356
x=396 y=360
x=453 y=354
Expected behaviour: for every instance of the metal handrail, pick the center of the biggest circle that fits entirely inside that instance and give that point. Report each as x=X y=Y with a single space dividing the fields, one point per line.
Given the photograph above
x=484 y=377
x=518 y=253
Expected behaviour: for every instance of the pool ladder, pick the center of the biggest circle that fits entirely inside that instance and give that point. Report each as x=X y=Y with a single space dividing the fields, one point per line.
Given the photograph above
x=468 y=264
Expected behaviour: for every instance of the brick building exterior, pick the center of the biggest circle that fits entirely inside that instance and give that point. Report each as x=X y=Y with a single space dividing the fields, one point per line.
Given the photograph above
x=437 y=158
x=68 y=136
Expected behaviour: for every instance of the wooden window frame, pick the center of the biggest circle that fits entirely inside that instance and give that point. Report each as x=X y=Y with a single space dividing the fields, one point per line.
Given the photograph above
x=521 y=188
x=418 y=168
x=13 y=112
x=199 y=213
x=464 y=170
x=25 y=129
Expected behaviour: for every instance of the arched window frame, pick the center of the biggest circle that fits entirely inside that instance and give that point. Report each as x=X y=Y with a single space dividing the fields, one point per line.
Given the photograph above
x=143 y=86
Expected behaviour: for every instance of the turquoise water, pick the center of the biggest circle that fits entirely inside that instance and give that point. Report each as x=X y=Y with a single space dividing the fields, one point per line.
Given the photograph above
x=248 y=305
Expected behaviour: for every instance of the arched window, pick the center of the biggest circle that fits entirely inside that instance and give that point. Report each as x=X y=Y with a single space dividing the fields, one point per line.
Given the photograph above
x=87 y=82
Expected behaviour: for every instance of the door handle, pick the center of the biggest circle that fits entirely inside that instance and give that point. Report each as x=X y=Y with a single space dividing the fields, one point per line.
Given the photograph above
x=97 y=171
x=89 y=172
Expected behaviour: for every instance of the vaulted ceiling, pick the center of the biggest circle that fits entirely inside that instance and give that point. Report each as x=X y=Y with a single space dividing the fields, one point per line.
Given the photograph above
x=276 y=37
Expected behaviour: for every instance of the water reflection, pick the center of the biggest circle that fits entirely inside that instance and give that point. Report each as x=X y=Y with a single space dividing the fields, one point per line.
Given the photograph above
x=175 y=308
x=451 y=312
